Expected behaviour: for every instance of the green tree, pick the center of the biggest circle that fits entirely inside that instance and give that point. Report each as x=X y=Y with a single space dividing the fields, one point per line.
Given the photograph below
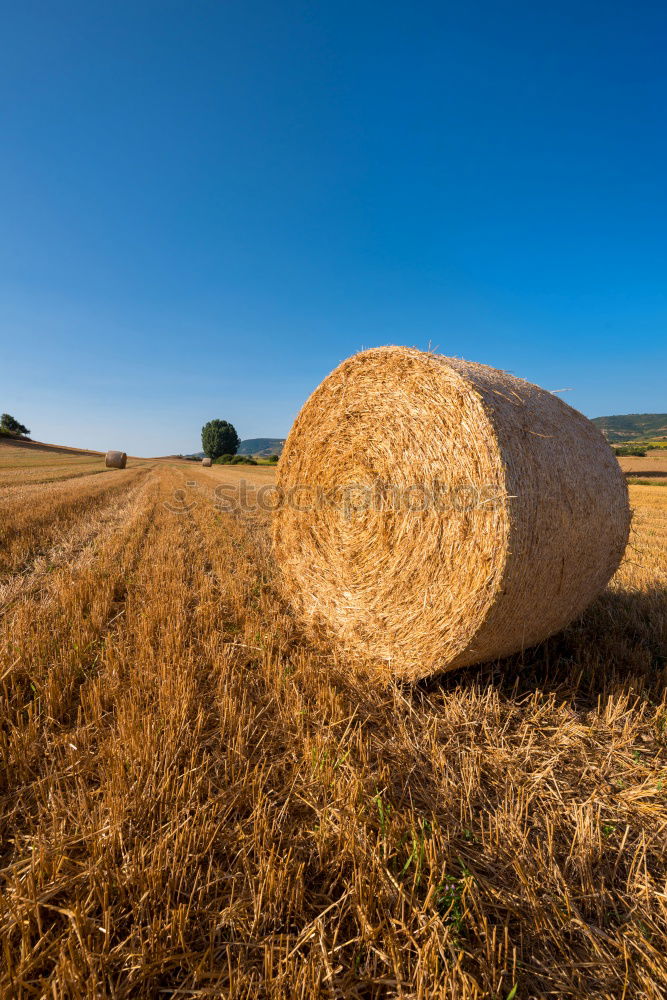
x=9 y=423
x=219 y=437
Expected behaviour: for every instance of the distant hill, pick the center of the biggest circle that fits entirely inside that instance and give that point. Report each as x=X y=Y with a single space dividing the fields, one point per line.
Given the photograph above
x=264 y=447
x=633 y=426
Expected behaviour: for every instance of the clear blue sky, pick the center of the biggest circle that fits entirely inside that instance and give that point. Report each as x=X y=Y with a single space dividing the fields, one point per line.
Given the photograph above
x=205 y=205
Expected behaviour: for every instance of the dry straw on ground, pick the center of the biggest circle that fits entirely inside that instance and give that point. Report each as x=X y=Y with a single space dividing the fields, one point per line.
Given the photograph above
x=116 y=460
x=524 y=512
x=206 y=462
x=194 y=803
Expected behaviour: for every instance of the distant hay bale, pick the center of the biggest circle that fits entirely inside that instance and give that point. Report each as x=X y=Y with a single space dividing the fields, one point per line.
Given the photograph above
x=450 y=513
x=206 y=462
x=115 y=460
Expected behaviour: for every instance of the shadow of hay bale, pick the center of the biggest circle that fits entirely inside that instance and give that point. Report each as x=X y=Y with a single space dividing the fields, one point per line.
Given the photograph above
x=618 y=646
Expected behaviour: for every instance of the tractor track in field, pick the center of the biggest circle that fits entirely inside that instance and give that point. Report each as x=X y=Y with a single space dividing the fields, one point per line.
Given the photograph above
x=78 y=543
x=27 y=533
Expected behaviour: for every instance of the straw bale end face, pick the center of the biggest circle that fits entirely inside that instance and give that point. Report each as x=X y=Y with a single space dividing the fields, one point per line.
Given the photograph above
x=448 y=513
x=206 y=462
x=115 y=460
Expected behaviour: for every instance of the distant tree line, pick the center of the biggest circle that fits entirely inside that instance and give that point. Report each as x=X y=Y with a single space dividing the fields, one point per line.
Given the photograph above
x=234 y=460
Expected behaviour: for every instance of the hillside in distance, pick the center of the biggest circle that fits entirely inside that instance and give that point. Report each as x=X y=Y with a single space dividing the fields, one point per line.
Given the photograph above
x=259 y=447
x=264 y=447
x=633 y=426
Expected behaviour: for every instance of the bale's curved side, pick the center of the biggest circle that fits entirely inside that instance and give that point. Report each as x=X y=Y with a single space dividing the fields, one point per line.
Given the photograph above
x=568 y=510
x=206 y=462
x=527 y=524
x=115 y=460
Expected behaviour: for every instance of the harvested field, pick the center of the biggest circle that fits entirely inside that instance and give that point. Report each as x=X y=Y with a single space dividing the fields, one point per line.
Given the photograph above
x=197 y=802
x=653 y=466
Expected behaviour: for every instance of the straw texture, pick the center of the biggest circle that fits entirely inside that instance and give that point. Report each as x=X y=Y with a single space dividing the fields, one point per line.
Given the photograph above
x=115 y=460
x=527 y=521
x=206 y=462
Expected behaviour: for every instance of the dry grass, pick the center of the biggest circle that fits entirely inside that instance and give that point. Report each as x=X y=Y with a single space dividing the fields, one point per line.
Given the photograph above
x=197 y=803
x=16 y=451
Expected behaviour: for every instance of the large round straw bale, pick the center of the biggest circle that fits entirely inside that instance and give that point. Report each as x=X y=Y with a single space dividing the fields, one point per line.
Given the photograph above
x=449 y=513
x=206 y=462
x=115 y=460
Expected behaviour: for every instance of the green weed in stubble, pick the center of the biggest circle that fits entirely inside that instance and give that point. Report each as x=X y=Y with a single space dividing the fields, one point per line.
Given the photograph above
x=449 y=900
x=418 y=837
x=323 y=760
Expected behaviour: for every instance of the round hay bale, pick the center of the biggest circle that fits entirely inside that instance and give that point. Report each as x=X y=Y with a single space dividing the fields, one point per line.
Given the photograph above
x=435 y=513
x=206 y=462
x=115 y=460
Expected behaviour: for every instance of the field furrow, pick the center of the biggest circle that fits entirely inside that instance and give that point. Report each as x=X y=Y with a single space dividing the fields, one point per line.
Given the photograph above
x=75 y=546
x=37 y=518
